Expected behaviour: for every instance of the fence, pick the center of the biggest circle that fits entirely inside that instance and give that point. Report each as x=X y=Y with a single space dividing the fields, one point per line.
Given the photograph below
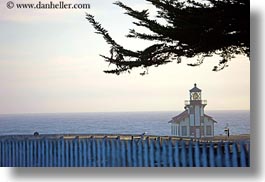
x=120 y=151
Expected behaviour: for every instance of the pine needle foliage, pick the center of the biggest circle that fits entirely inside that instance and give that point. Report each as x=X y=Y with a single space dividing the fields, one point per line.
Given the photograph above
x=193 y=29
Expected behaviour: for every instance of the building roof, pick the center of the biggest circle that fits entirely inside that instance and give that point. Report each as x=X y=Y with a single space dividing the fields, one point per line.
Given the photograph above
x=185 y=114
x=180 y=117
x=210 y=117
x=195 y=88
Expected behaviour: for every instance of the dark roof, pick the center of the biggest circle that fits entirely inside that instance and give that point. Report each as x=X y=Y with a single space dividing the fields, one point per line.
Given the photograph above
x=195 y=88
x=180 y=116
x=184 y=115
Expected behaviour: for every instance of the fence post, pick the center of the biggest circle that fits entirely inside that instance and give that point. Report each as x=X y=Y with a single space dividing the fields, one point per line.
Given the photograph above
x=31 y=157
x=42 y=158
x=16 y=151
x=71 y=152
x=118 y=152
x=76 y=151
x=113 y=153
x=58 y=146
x=62 y=151
x=66 y=153
x=243 y=162
x=98 y=157
x=164 y=153
x=129 y=153
x=151 y=153
x=219 y=158
x=227 y=155
x=176 y=154
x=84 y=143
x=248 y=153
x=183 y=154
x=108 y=158
x=140 y=152
x=23 y=154
x=190 y=153
x=89 y=152
x=28 y=150
x=54 y=152
x=13 y=154
x=39 y=153
x=234 y=155
x=9 y=153
x=6 y=153
x=94 y=153
x=7 y=157
x=123 y=154
x=35 y=153
x=46 y=152
x=134 y=153
x=2 y=157
x=204 y=155
x=1 y=153
x=197 y=154
x=211 y=153
x=157 y=153
x=170 y=153
x=103 y=147
x=146 y=161
x=80 y=153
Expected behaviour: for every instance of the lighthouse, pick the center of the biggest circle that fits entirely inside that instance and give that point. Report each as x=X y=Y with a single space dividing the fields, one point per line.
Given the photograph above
x=193 y=122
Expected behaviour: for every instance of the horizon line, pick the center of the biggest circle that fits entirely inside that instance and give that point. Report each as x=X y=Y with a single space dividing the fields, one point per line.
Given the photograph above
x=79 y=112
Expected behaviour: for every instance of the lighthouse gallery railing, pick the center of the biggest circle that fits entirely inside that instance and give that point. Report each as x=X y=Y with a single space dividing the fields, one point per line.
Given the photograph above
x=188 y=102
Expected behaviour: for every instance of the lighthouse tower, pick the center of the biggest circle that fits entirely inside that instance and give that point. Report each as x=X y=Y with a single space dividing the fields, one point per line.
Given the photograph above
x=195 y=107
x=193 y=122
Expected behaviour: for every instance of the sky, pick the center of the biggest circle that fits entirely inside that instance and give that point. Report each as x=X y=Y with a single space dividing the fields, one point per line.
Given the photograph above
x=49 y=62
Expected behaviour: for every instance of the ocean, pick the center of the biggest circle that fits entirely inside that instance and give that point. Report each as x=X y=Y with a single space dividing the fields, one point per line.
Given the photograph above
x=154 y=123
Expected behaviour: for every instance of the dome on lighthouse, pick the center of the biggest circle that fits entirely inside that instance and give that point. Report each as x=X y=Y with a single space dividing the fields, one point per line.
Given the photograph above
x=195 y=88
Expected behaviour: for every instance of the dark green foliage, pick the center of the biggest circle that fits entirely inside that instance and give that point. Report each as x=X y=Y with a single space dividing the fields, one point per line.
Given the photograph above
x=192 y=29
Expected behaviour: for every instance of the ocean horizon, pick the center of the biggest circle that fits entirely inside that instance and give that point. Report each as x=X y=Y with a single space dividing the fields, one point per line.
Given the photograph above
x=130 y=122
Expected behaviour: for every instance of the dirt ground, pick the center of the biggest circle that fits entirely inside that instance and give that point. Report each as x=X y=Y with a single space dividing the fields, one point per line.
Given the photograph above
x=233 y=137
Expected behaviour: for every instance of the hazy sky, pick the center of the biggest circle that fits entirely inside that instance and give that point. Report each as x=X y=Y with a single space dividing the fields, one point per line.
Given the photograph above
x=49 y=62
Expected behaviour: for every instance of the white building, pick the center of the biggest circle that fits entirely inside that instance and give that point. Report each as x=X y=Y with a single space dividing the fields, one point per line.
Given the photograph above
x=193 y=122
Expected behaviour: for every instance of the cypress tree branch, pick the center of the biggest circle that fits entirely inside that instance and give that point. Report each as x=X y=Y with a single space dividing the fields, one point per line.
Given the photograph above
x=191 y=29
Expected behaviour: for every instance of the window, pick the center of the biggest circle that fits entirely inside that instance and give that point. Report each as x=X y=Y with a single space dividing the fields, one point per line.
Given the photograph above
x=184 y=130
x=208 y=130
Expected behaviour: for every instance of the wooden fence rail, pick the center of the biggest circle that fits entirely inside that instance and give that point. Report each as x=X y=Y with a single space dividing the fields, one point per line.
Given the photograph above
x=106 y=151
